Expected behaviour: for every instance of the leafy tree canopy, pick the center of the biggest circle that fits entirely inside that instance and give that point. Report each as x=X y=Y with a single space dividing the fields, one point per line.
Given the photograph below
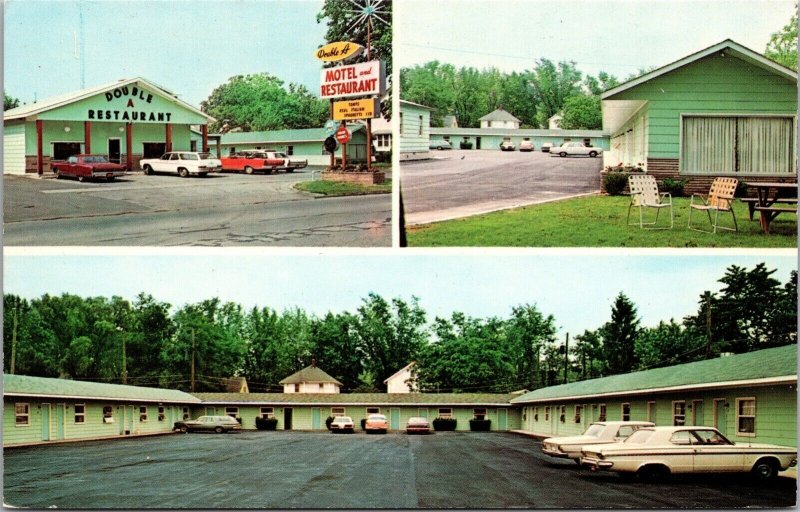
x=9 y=102
x=782 y=45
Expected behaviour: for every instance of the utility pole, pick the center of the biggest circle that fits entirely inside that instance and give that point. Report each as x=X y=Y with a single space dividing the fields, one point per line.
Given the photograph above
x=192 y=359
x=708 y=296
x=14 y=336
x=566 y=360
x=124 y=360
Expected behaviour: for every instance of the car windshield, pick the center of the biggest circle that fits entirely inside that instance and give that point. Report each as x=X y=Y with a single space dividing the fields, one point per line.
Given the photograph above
x=377 y=417
x=639 y=437
x=343 y=419
x=95 y=159
x=594 y=430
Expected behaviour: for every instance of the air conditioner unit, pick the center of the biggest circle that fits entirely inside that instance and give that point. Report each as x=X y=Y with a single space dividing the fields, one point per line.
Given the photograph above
x=108 y=420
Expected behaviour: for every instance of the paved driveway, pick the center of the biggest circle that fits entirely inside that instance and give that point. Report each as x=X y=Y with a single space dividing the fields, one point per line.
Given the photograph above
x=322 y=470
x=462 y=183
x=219 y=210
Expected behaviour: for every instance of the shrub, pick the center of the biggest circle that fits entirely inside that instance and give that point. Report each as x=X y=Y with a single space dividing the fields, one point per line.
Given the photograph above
x=465 y=145
x=363 y=423
x=444 y=424
x=674 y=186
x=266 y=423
x=383 y=156
x=614 y=183
x=477 y=425
x=328 y=422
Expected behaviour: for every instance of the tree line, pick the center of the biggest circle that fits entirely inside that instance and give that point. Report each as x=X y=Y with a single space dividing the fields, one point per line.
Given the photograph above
x=197 y=346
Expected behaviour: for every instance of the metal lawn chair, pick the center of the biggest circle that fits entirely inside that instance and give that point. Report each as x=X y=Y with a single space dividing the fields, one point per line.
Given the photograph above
x=645 y=194
x=720 y=199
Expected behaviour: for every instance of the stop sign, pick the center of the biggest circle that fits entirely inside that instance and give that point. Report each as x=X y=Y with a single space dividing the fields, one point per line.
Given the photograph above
x=342 y=135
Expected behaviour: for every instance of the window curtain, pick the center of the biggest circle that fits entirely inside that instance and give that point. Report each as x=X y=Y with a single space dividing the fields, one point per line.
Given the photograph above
x=733 y=145
x=708 y=145
x=766 y=145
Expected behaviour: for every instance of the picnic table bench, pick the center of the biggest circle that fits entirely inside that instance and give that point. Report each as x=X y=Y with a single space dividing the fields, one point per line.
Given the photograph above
x=768 y=205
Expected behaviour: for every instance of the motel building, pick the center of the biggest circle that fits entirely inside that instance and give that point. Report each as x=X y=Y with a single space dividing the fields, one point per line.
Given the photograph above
x=125 y=120
x=749 y=397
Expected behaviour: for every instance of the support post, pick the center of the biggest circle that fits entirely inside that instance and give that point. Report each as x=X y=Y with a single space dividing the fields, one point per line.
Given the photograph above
x=204 y=130
x=169 y=137
x=87 y=137
x=129 y=146
x=39 y=156
x=333 y=153
x=369 y=145
x=344 y=152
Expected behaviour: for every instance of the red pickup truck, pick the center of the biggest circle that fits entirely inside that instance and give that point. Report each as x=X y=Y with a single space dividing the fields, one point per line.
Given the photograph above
x=88 y=166
x=250 y=162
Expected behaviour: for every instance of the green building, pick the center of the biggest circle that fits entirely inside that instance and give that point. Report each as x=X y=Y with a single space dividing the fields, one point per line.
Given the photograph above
x=749 y=397
x=38 y=409
x=303 y=143
x=125 y=120
x=723 y=111
x=415 y=126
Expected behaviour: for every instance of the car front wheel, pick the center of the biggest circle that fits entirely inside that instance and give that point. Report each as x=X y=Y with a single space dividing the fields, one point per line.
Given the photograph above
x=148 y=170
x=593 y=154
x=184 y=429
x=562 y=154
x=219 y=430
x=248 y=170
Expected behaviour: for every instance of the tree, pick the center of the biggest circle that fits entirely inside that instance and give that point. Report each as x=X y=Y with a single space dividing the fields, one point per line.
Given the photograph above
x=432 y=85
x=581 y=112
x=9 y=102
x=341 y=16
x=619 y=336
x=528 y=331
x=668 y=344
x=552 y=85
x=261 y=102
x=782 y=45
x=390 y=335
x=336 y=348
x=588 y=352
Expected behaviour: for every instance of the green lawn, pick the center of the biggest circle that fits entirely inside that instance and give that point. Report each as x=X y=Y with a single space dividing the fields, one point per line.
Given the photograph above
x=335 y=188
x=599 y=221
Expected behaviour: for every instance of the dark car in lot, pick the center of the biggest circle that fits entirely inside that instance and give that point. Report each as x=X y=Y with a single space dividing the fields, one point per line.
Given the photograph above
x=86 y=167
x=218 y=424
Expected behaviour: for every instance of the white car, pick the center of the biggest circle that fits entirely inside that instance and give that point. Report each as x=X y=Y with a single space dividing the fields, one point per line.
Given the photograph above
x=183 y=163
x=289 y=164
x=526 y=145
x=597 y=433
x=507 y=145
x=546 y=147
x=575 y=149
x=653 y=453
x=342 y=424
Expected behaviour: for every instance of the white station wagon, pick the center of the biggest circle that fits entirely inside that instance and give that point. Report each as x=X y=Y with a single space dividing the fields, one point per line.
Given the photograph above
x=653 y=453
x=597 y=433
x=183 y=163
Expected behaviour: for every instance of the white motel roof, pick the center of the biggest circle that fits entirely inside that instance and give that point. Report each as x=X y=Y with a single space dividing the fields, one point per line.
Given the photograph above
x=25 y=111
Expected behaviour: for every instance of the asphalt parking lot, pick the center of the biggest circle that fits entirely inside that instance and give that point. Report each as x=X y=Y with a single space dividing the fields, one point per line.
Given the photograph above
x=322 y=470
x=219 y=210
x=459 y=183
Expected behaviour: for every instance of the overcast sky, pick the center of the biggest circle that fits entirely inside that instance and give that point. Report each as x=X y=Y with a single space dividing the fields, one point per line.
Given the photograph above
x=189 y=47
x=577 y=287
x=619 y=37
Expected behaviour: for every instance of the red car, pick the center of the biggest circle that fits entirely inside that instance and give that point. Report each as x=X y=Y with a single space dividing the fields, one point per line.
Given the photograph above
x=250 y=162
x=88 y=166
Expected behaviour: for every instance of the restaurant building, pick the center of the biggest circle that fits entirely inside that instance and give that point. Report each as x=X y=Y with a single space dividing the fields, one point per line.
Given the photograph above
x=125 y=120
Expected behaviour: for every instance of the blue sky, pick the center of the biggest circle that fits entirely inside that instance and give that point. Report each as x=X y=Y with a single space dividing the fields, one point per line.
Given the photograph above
x=618 y=36
x=189 y=47
x=576 y=287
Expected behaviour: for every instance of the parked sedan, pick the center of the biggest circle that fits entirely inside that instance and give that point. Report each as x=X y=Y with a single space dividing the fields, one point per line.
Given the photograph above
x=376 y=423
x=546 y=146
x=507 y=145
x=526 y=145
x=576 y=149
x=653 y=453
x=440 y=145
x=342 y=424
x=598 y=433
x=218 y=424
x=418 y=425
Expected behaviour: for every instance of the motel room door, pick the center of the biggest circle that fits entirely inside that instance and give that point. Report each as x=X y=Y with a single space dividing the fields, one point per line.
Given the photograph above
x=114 y=153
x=287 y=418
x=394 y=414
x=45 y=422
x=315 y=418
x=502 y=419
x=60 y=418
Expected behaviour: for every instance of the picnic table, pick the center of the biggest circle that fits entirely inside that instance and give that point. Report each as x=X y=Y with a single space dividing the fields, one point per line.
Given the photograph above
x=770 y=200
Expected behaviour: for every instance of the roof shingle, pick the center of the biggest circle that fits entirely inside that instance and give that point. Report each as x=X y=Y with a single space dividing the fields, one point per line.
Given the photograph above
x=23 y=385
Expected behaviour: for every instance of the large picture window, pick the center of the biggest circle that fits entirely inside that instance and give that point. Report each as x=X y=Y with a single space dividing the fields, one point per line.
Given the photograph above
x=754 y=145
